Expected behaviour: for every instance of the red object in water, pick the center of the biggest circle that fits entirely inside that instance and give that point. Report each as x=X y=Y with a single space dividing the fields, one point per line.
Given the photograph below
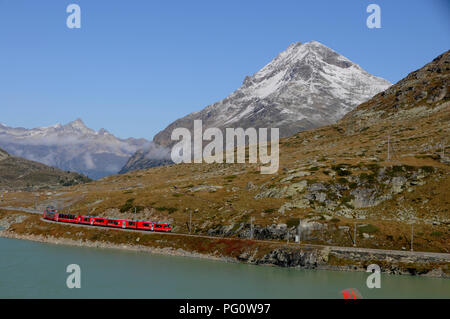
x=350 y=294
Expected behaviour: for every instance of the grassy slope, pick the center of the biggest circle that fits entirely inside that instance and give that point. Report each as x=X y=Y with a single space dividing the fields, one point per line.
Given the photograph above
x=416 y=122
x=19 y=173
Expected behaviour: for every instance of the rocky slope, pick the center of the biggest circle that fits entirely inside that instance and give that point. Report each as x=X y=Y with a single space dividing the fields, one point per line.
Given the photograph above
x=419 y=95
x=304 y=87
x=144 y=159
x=72 y=147
x=20 y=174
x=381 y=169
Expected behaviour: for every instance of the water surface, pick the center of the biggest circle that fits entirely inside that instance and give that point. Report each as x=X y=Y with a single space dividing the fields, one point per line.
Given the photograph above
x=38 y=270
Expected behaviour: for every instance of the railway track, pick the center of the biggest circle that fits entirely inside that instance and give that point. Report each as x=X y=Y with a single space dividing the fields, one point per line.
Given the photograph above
x=445 y=256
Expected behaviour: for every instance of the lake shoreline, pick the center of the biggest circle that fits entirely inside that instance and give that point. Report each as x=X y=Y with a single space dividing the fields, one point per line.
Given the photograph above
x=168 y=251
x=106 y=245
x=30 y=227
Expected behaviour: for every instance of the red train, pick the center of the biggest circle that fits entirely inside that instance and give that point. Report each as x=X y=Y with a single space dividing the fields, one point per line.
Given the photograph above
x=51 y=213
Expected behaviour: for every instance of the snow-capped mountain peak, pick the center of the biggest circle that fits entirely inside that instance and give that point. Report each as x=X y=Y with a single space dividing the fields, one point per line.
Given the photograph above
x=303 y=63
x=306 y=86
x=78 y=123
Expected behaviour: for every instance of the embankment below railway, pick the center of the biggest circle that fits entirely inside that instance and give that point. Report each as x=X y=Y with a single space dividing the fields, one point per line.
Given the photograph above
x=21 y=225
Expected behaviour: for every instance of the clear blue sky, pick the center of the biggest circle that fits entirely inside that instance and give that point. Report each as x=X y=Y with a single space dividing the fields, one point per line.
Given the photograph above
x=137 y=65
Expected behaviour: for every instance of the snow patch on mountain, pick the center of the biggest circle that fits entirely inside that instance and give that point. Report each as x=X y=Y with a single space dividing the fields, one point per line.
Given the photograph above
x=73 y=147
x=304 y=87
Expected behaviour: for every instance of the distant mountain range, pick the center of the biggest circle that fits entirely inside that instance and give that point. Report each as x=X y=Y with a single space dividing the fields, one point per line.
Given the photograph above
x=306 y=86
x=71 y=147
x=17 y=173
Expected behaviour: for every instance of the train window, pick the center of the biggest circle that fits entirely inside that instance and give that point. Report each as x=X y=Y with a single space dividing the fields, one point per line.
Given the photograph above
x=131 y=223
x=145 y=225
x=99 y=220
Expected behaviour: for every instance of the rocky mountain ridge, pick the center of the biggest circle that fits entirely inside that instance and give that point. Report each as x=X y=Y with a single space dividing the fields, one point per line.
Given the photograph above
x=306 y=86
x=73 y=147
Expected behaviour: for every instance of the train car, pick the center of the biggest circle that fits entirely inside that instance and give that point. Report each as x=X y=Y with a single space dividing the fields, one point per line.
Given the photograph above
x=99 y=221
x=86 y=220
x=67 y=218
x=160 y=227
x=130 y=224
x=144 y=226
x=117 y=223
x=108 y=222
